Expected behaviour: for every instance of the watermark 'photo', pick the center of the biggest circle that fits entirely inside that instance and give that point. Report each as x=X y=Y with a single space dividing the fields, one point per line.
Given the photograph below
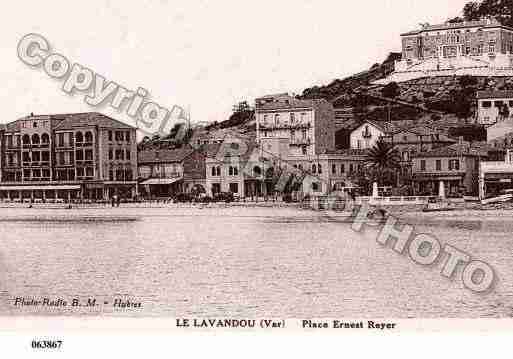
x=298 y=168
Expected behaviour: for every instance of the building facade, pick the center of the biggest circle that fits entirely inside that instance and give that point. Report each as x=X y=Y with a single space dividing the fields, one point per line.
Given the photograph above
x=86 y=156
x=166 y=173
x=308 y=125
x=485 y=39
x=494 y=106
x=453 y=168
x=496 y=176
x=366 y=135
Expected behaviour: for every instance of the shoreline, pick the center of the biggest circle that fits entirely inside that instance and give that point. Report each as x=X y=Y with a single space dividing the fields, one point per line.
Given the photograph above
x=129 y=211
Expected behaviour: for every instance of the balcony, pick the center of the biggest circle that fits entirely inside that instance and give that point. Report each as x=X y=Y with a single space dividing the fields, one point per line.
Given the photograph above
x=284 y=126
x=496 y=167
x=300 y=142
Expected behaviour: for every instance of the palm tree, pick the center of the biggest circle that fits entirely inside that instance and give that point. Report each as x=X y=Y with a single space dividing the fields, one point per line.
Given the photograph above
x=383 y=161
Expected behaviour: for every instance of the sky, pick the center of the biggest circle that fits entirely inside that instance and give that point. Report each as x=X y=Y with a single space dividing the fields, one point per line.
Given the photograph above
x=202 y=55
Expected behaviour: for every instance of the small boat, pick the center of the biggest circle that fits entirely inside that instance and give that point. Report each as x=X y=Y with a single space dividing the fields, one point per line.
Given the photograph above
x=446 y=209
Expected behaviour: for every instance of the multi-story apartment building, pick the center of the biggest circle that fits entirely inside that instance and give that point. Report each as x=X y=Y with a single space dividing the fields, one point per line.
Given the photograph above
x=69 y=156
x=485 y=38
x=308 y=125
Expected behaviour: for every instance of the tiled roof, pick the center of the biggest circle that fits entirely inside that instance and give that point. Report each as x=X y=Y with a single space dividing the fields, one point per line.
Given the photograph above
x=291 y=103
x=162 y=156
x=458 y=25
x=494 y=94
x=349 y=152
x=458 y=149
x=73 y=120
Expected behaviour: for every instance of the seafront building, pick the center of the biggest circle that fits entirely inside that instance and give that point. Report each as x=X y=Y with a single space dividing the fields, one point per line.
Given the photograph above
x=451 y=170
x=86 y=156
x=307 y=125
x=494 y=106
x=167 y=172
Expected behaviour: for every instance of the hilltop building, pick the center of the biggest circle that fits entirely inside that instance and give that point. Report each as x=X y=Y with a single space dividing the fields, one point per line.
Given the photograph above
x=476 y=48
x=69 y=156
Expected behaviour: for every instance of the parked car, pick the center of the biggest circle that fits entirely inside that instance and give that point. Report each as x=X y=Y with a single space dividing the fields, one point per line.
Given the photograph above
x=203 y=198
x=224 y=197
x=183 y=197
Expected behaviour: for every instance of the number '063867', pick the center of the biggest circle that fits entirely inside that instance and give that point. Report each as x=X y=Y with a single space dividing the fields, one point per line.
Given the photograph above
x=46 y=344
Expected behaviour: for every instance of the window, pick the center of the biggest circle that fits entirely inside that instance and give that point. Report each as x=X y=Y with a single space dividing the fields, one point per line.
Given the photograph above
x=292 y=117
x=127 y=155
x=36 y=156
x=89 y=172
x=79 y=155
x=35 y=139
x=213 y=171
x=498 y=104
x=334 y=169
x=79 y=137
x=26 y=157
x=218 y=171
x=127 y=136
x=319 y=168
x=26 y=139
x=234 y=187
x=342 y=168
x=61 y=159
x=438 y=165
x=60 y=139
x=276 y=120
x=89 y=155
x=422 y=165
x=111 y=155
x=316 y=187
x=314 y=168
x=80 y=172
x=454 y=165
x=351 y=168
x=358 y=144
x=45 y=139
x=45 y=156
x=88 y=137
x=304 y=150
x=110 y=135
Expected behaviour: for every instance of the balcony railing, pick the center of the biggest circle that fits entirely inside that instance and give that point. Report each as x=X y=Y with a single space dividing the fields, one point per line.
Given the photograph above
x=496 y=166
x=300 y=141
x=284 y=126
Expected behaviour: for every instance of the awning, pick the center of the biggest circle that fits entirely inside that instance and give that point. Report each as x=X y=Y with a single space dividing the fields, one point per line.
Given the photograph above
x=39 y=188
x=161 y=181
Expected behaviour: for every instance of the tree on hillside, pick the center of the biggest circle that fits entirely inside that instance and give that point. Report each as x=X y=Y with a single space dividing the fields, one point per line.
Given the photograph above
x=502 y=10
x=391 y=90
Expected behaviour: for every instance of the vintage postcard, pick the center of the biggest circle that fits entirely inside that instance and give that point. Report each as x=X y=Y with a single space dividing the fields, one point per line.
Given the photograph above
x=272 y=166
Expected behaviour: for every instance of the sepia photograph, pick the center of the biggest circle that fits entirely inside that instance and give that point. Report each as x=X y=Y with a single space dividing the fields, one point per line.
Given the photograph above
x=266 y=167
